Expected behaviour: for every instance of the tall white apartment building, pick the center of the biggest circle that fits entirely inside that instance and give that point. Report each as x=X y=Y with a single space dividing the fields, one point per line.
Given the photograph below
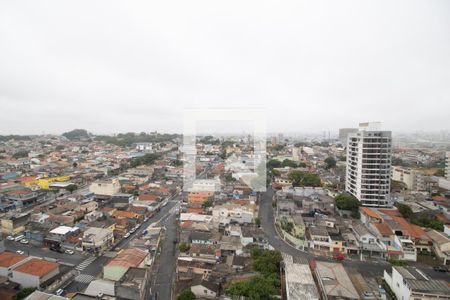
x=369 y=165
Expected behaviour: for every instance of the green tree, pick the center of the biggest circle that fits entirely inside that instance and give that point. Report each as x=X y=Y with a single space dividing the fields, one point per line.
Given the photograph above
x=258 y=222
x=330 y=162
x=346 y=201
x=273 y=163
x=186 y=295
x=405 y=210
x=183 y=247
x=23 y=293
x=76 y=134
x=300 y=178
x=21 y=154
x=289 y=163
x=71 y=188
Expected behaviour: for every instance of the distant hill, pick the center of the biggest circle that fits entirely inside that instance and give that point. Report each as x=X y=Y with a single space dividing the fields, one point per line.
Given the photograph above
x=76 y=134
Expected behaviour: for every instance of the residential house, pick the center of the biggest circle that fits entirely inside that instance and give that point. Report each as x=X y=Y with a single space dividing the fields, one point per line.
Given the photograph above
x=411 y=283
x=333 y=281
x=128 y=258
x=97 y=240
x=205 y=290
x=34 y=272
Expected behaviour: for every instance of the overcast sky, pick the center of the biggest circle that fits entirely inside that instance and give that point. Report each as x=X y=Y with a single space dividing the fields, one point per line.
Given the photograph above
x=111 y=66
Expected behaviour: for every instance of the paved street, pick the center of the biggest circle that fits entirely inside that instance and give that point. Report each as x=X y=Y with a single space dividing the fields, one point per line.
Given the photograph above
x=266 y=216
x=162 y=282
x=44 y=252
x=95 y=267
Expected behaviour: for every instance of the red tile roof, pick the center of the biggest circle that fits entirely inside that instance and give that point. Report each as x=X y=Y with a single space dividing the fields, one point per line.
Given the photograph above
x=37 y=267
x=411 y=229
x=148 y=197
x=371 y=213
x=383 y=228
x=128 y=258
x=7 y=259
x=390 y=212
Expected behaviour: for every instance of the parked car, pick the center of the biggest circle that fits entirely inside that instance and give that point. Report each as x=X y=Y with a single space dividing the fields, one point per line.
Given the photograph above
x=70 y=252
x=442 y=269
x=10 y=238
x=18 y=238
x=59 y=292
x=24 y=241
x=127 y=235
x=146 y=219
x=132 y=230
x=20 y=252
x=338 y=256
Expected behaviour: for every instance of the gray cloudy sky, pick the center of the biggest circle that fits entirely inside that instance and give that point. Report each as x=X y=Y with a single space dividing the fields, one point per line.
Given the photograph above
x=112 y=66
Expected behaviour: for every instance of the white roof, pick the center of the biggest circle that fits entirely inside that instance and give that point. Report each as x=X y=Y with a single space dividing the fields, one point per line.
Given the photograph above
x=63 y=230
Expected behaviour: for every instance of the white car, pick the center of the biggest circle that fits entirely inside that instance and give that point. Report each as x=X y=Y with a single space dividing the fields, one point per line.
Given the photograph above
x=59 y=292
x=132 y=230
x=70 y=252
x=24 y=241
x=10 y=238
x=20 y=252
x=127 y=235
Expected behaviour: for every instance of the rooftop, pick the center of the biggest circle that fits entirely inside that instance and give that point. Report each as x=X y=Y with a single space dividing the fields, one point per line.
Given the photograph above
x=8 y=259
x=37 y=267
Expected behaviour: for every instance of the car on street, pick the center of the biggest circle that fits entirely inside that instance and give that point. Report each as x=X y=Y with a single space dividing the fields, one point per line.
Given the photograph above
x=146 y=219
x=24 y=241
x=20 y=252
x=18 y=238
x=132 y=230
x=70 y=252
x=442 y=269
x=338 y=256
x=127 y=235
x=59 y=292
x=10 y=238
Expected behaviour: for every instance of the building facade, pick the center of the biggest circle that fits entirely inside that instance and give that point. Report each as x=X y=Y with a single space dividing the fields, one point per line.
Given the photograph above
x=369 y=165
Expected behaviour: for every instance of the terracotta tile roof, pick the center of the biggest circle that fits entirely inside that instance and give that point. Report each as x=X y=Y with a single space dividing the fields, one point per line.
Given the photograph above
x=128 y=258
x=369 y=212
x=18 y=192
x=8 y=259
x=441 y=217
x=240 y=201
x=187 y=224
x=37 y=267
x=195 y=210
x=383 y=228
x=411 y=229
x=390 y=212
x=439 y=198
x=148 y=197
x=124 y=214
x=163 y=190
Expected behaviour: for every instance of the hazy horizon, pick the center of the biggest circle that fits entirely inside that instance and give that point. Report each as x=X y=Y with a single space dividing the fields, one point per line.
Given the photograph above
x=313 y=66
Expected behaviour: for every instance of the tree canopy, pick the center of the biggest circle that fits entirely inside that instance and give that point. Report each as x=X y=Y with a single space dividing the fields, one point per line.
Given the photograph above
x=186 y=295
x=346 y=201
x=330 y=162
x=300 y=178
x=76 y=134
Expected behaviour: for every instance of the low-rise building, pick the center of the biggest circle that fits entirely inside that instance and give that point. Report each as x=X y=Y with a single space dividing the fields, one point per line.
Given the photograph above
x=97 y=240
x=128 y=258
x=333 y=281
x=105 y=187
x=34 y=272
x=411 y=283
